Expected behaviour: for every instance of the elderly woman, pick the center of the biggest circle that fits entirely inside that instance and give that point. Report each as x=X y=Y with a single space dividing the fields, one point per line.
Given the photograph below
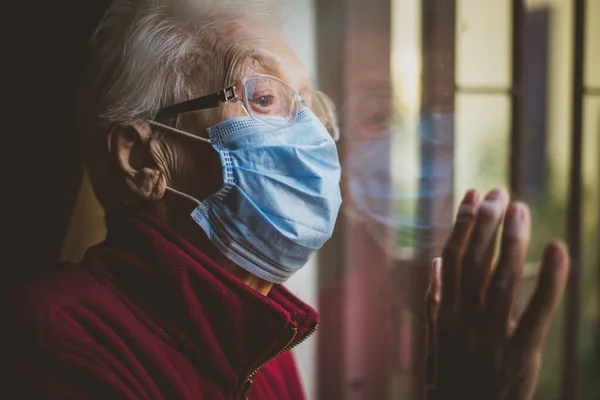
x=217 y=167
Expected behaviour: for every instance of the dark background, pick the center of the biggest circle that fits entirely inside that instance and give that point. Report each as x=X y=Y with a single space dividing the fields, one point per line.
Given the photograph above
x=42 y=54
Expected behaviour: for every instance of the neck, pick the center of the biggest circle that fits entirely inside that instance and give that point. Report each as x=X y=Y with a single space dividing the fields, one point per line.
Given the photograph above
x=175 y=212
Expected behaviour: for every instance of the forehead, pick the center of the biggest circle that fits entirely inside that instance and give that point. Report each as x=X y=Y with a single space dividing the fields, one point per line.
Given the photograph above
x=280 y=61
x=268 y=54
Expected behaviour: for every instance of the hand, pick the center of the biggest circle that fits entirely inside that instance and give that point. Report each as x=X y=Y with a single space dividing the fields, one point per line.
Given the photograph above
x=480 y=352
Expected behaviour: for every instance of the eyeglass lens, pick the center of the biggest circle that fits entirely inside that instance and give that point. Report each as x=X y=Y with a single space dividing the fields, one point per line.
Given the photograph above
x=266 y=98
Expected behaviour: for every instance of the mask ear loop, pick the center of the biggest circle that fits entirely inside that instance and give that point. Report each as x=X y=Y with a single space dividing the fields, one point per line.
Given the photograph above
x=187 y=196
x=184 y=133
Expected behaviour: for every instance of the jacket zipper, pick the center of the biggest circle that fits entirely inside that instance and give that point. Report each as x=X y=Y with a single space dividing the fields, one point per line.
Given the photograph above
x=288 y=347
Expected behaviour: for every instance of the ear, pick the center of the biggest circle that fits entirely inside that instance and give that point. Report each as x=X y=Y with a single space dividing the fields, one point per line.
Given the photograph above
x=129 y=147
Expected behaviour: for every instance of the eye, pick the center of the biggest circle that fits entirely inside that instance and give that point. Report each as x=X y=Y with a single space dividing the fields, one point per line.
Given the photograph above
x=263 y=101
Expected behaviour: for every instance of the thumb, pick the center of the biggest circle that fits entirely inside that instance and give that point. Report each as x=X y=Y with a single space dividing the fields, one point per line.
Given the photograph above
x=432 y=303
x=434 y=292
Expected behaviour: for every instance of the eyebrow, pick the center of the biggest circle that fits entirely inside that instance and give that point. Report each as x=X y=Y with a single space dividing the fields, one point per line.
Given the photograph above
x=271 y=66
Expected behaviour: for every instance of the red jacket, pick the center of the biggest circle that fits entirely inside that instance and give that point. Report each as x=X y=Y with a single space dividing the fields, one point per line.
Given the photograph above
x=147 y=316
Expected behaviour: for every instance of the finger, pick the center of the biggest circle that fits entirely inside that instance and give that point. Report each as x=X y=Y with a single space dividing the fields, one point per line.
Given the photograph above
x=533 y=327
x=433 y=302
x=477 y=261
x=504 y=282
x=453 y=250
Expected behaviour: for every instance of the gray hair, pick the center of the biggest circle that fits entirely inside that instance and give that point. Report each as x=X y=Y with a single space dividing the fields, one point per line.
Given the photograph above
x=144 y=51
x=146 y=54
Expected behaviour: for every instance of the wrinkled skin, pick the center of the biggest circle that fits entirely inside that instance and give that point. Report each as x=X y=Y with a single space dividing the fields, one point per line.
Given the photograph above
x=478 y=349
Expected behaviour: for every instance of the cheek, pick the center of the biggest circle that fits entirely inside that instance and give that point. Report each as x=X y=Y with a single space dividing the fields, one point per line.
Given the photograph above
x=232 y=110
x=208 y=175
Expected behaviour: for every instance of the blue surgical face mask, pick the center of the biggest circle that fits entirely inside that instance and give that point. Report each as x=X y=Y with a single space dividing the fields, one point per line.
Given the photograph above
x=280 y=196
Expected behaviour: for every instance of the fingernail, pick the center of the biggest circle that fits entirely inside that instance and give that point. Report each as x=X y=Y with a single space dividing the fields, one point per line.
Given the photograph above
x=514 y=219
x=470 y=197
x=517 y=217
x=494 y=195
x=555 y=249
x=522 y=214
x=435 y=271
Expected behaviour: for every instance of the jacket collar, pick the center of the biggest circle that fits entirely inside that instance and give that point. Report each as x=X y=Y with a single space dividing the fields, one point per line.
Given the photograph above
x=194 y=304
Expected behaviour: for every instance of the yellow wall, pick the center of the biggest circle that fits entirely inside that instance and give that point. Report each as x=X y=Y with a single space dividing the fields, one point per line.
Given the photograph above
x=87 y=224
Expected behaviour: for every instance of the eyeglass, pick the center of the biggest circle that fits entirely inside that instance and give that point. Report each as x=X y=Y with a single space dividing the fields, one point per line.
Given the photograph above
x=264 y=97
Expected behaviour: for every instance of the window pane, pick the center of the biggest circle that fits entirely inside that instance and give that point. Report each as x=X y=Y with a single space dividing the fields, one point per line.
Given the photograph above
x=592 y=77
x=481 y=143
x=483 y=43
x=406 y=69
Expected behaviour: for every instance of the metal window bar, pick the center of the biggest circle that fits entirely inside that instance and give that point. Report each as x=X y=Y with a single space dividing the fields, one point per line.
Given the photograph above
x=571 y=361
x=483 y=90
x=516 y=96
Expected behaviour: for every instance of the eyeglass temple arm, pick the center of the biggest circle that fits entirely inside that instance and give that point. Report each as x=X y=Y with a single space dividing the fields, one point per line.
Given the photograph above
x=226 y=95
